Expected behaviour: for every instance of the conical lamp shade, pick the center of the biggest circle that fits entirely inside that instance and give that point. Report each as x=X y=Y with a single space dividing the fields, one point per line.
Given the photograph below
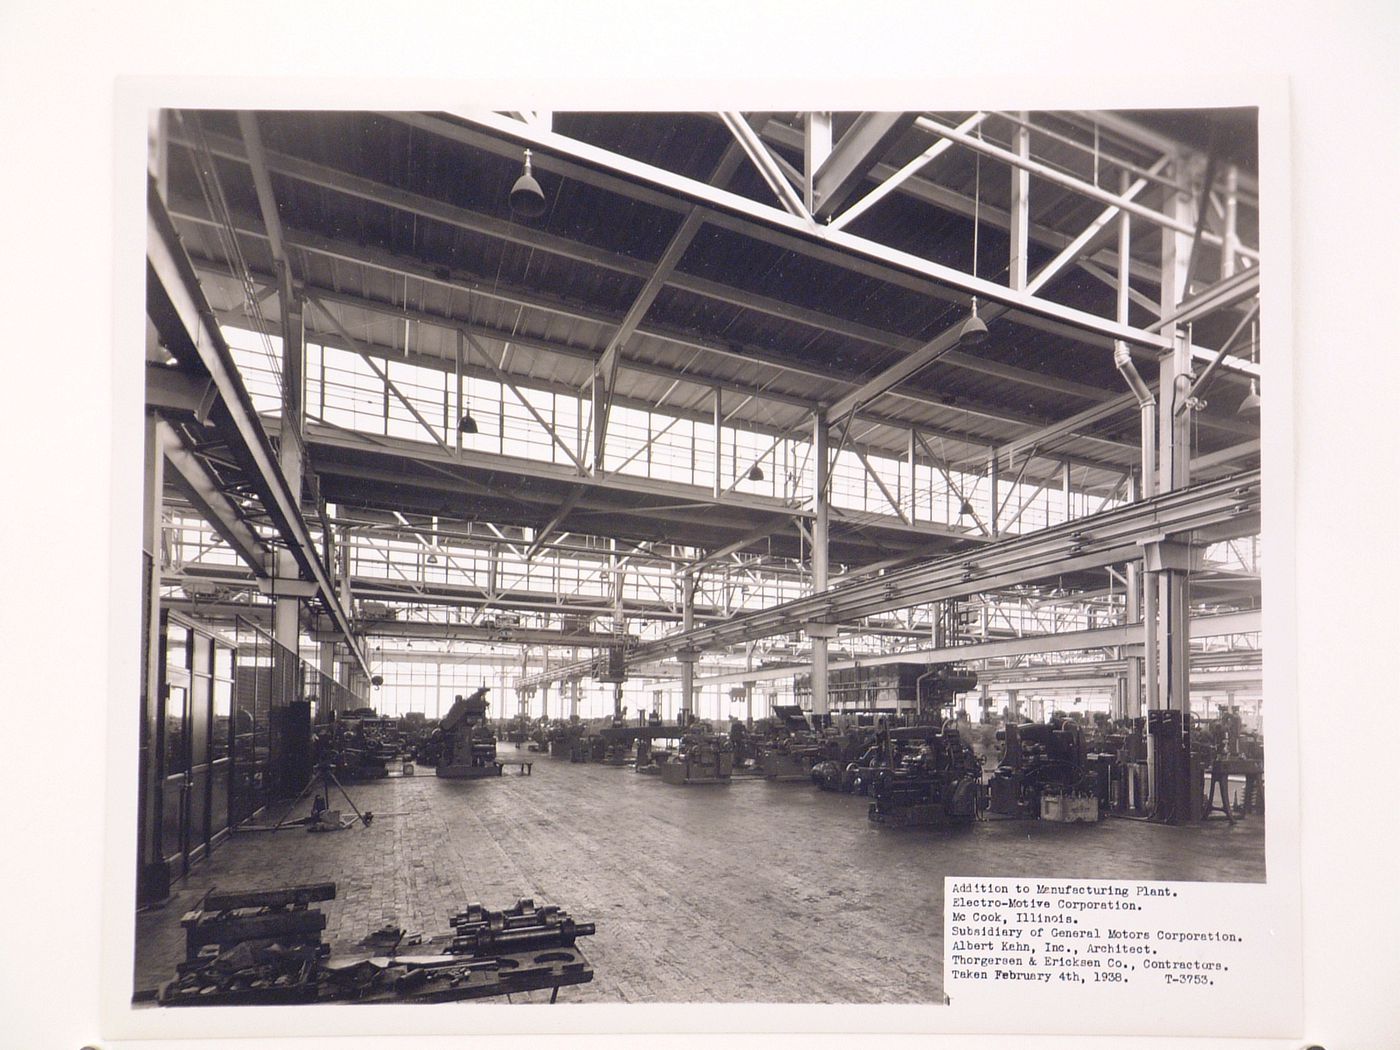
x=526 y=197
x=1251 y=400
x=973 y=332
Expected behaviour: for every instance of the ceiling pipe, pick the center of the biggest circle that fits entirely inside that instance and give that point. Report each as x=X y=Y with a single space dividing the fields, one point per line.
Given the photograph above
x=1147 y=406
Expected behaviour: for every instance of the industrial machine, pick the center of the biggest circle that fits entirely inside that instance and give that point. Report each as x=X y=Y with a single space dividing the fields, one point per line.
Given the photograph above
x=468 y=743
x=1040 y=759
x=928 y=775
x=854 y=749
x=360 y=744
x=793 y=747
x=1231 y=753
x=925 y=772
x=518 y=730
x=701 y=758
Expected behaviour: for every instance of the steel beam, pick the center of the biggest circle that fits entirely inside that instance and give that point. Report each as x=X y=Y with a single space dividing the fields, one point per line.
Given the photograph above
x=902 y=370
x=850 y=160
x=1103 y=539
x=509 y=384
x=205 y=495
x=543 y=534
x=884 y=489
x=1026 y=444
x=606 y=369
x=747 y=355
x=1082 y=244
x=851 y=252
x=1225 y=455
x=383 y=375
x=894 y=179
x=947 y=199
x=816 y=147
x=1061 y=642
x=1228 y=292
x=1088 y=189
x=179 y=310
x=766 y=164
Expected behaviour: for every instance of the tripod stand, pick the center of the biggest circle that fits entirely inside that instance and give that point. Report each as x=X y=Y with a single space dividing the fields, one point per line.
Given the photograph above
x=324 y=775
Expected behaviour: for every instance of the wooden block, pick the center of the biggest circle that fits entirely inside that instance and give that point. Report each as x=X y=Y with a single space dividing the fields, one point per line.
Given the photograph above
x=281 y=897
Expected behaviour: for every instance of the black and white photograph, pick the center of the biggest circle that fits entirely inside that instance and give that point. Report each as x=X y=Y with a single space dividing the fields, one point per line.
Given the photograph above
x=751 y=526
x=635 y=557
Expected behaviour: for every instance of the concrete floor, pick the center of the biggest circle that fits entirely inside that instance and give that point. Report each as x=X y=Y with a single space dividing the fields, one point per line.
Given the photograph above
x=746 y=892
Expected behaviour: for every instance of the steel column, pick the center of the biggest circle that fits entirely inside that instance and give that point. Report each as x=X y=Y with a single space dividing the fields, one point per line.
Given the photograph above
x=286 y=619
x=1020 y=207
x=687 y=659
x=1174 y=452
x=816 y=147
x=719 y=431
x=820 y=534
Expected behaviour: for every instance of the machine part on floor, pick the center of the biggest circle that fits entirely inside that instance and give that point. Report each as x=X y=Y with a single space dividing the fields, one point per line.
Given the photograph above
x=483 y=940
x=858 y=774
x=468 y=743
x=701 y=758
x=522 y=913
x=930 y=775
x=454 y=978
x=426 y=745
x=273 y=955
x=224 y=920
x=389 y=938
x=267 y=975
x=1039 y=757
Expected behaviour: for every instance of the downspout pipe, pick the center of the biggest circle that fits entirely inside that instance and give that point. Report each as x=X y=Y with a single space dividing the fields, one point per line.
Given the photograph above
x=1147 y=406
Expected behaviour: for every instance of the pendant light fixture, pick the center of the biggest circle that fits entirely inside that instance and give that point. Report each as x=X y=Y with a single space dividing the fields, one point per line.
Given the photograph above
x=755 y=473
x=974 y=330
x=1251 y=401
x=526 y=197
x=467 y=425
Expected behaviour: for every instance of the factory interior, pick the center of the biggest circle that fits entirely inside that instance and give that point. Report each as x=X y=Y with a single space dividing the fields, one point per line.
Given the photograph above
x=635 y=557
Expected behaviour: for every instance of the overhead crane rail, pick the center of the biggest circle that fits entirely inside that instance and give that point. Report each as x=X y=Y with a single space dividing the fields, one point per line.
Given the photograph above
x=1228 y=507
